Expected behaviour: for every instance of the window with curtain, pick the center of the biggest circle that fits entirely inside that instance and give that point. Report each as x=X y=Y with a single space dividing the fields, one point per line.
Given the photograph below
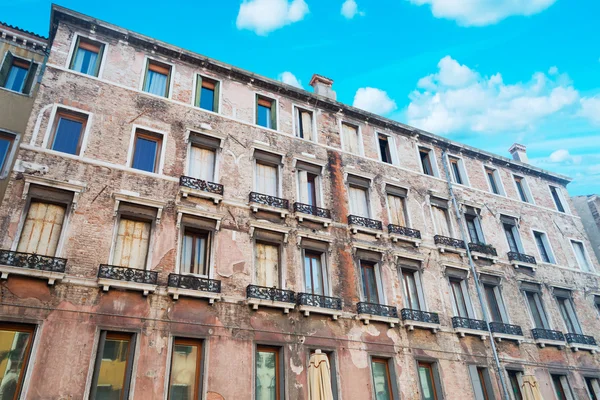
x=309 y=185
x=266 y=112
x=87 y=56
x=567 y=312
x=157 y=78
x=581 y=256
x=112 y=370
x=131 y=246
x=6 y=143
x=314 y=273
x=184 y=376
x=267 y=380
x=359 y=201
x=442 y=223
x=304 y=124
x=15 y=347
x=412 y=286
x=515 y=379
x=67 y=132
x=397 y=209
x=481 y=383
x=493 y=178
x=427 y=381
x=202 y=163
x=17 y=74
x=426 y=161
x=459 y=297
x=267 y=179
x=146 y=151
x=536 y=309
x=207 y=94
x=369 y=282
x=350 y=138
x=195 y=252
x=42 y=228
x=382 y=381
x=267 y=263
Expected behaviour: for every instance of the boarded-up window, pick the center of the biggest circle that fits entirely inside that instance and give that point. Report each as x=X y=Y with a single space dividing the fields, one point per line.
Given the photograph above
x=397 y=210
x=440 y=217
x=131 y=247
x=304 y=124
x=202 y=163
x=266 y=179
x=42 y=228
x=267 y=264
x=350 y=138
x=359 y=201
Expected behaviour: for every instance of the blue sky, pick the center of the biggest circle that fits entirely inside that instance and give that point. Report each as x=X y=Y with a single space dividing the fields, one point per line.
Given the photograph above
x=486 y=73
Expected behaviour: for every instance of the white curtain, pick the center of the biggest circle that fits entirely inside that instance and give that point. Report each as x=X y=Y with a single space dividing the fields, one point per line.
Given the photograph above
x=266 y=179
x=202 y=163
x=156 y=83
x=85 y=61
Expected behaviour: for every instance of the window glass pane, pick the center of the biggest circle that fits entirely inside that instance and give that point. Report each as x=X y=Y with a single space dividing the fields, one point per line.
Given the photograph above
x=580 y=255
x=515 y=385
x=593 y=387
x=384 y=149
x=539 y=240
x=314 y=273
x=264 y=116
x=207 y=99
x=156 y=83
x=381 y=382
x=67 y=135
x=311 y=187
x=558 y=387
x=459 y=299
x=85 y=61
x=184 y=371
x=42 y=229
x=145 y=154
x=426 y=380
x=15 y=348
x=194 y=253
x=426 y=162
x=510 y=237
x=16 y=78
x=304 y=124
x=5 y=144
x=566 y=311
x=536 y=313
x=266 y=375
x=473 y=235
x=456 y=172
x=492 y=180
x=493 y=304
x=410 y=289
x=369 y=283
x=113 y=368
x=556 y=198
x=521 y=189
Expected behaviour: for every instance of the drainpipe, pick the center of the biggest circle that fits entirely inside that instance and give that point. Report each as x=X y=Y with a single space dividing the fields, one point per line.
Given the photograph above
x=486 y=317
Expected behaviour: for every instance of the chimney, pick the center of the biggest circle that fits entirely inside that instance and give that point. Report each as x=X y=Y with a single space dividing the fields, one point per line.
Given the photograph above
x=519 y=152
x=322 y=86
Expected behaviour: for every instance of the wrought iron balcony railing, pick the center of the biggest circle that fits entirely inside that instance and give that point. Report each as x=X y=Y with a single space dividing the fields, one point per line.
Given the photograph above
x=312 y=210
x=421 y=316
x=450 y=242
x=32 y=261
x=377 y=309
x=127 y=274
x=365 y=222
x=404 y=231
x=270 y=293
x=580 y=339
x=315 y=300
x=519 y=257
x=194 y=283
x=267 y=200
x=199 y=184
x=468 y=323
x=500 y=327
x=547 y=334
x=483 y=248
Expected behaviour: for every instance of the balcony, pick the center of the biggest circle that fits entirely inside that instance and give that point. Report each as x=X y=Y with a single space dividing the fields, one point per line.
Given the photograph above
x=547 y=337
x=198 y=188
x=365 y=225
x=522 y=260
x=127 y=278
x=581 y=342
x=420 y=319
x=318 y=304
x=270 y=297
x=405 y=234
x=502 y=331
x=377 y=312
x=193 y=286
x=43 y=267
x=264 y=202
x=312 y=213
x=485 y=251
x=468 y=326
x=451 y=245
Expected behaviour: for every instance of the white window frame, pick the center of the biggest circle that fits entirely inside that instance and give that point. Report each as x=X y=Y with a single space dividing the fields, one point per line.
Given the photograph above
x=218 y=153
x=561 y=197
x=391 y=145
x=378 y=277
x=432 y=159
x=418 y=274
x=72 y=54
x=544 y=316
x=211 y=249
x=497 y=179
x=361 y=147
x=327 y=289
x=11 y=154
x=85 y=134
x=314 y=122
x=143 y=76
x=163 y=148
x=572 y=313
x=585 y=254
x=462 y=170
x=526 y=189
x=516 y=234
x=367 y=189
x=464 y=285
x=547 y=245
x=255 y=111
x=279 y=167
x=219 y=100
x=500 y=300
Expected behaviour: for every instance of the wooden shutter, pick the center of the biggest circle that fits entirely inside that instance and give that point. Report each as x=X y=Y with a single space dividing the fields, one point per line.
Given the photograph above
x=303 y=187
x=307 y=124
x=440 y=215
x=359 y=204
x=131 y=248
x=267 y=265
x=202 y=163
x=8 y=62
x=396 y=206
x=350 y=134
x=266 y=179
x=42 y=229
x=29 y=78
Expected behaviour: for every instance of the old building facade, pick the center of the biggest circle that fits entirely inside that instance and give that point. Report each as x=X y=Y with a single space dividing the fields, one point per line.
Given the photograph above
x=588 y=208
x=175 y=227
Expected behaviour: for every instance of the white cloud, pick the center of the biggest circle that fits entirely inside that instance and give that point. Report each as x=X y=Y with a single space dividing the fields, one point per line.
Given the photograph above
x=590 y=109
x=264 y=16
x=350 y=9
x=457 y=99
x=553 y=70
x=483 y=12
x=374 y=100
x=290 y=79
x=562 y=156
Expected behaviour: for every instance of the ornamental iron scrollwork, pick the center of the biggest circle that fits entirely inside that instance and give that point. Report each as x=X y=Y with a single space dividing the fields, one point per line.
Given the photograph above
x=581 y=339
x=127 y=274
x=421 y=316
x=520 y=257
x=194 y=283
x=365 y=222
x=312 y=210
x=32 y=261
x=508 y=329
x=315 y=300
x=450 y=242
x=483 y=249
x=199 y=184
x=377 y=309
x=469 y=323
x=270 y=293
x=547 y=334
x=404 y=231
x=267 y=200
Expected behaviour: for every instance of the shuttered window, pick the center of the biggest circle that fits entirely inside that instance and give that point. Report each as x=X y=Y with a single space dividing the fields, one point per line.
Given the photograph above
x=17 y=74
x=567 y=312
x=350 y=138
x=396 y=205
x=202 y=163
x=266 y=112
x=157 y=79
x=308 y=188
x=385 y=152
x=207 y=94
x=440 y=217
x=131 y=247
x=359 y=201
x=426 y=155
x=42 y=228
x=480 y=380
x=493 y=180
x=304 y=124
x=267 y=264
x=267 y=179
x=6 y=143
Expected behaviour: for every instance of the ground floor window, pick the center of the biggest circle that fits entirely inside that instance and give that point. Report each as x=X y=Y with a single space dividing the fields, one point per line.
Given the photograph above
x=184 y=379
x=112 y=371
x=15 y=349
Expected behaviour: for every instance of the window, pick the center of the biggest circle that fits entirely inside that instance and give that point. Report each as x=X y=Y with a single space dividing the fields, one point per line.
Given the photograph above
x=593 y=387
x=460 y=297
x=186 y=365
x=473 y=223
x=396 y=202
x=304 y=124
x=350 y=138
x=87 y=56
x=439 y=209
x=132 y=240
x=157 y=78
x=112 y=370
x=597 y=304
x=67 y=132
x=581 y=256
x=309 y=183
x=567 y=310
x=522 y=189
x=6 y=145
x=207 y=94
x=266 y=112
x=369 y=282
x=147 y=151
x=536 y=307
x=457 y=170
x=556 y=196
x=515 y=378
x=314 y=275
x=413 y=291
x=543 y=246
x=358 y=192
x=382 y=379
x=512 y=233
x=493 y=178
x=17 y=74
x=493 y=299
x=561 y=387
x=428 y=381
x=267 y=173
x=480 y=379
x=15 y=347
x=195 y=252
x=267 y=261
x=386 y=148
x=427 y=162
x=268 y=376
